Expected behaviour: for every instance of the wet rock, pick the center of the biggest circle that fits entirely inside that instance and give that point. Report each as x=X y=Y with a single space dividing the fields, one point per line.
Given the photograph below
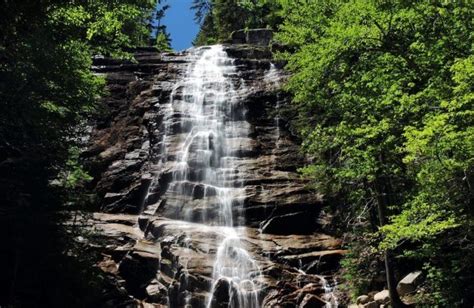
x=238 y=37
x=138 y=269
x=288 y=294
x=117 y=227
x=310 y=301
x=382 y=297
x=316 y=261
x=294 y=223
x=409 y=283
x=156 y=292
x=118 y=143
x=134 y=88
x=173 y=294
x=108 y=266
x=363 y=299
x=372 y=304
x=260 y=37
x=197 y=300
x=248 y=52
x=143 y=221
x=221 y=292
x=192 y=238
x=163 y=240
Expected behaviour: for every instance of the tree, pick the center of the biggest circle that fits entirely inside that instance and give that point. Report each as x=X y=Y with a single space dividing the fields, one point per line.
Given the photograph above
x=219 y=18
x=48 y=93
x=162 y=38
x=202 y=9
x=377 y=91
x=163 y=41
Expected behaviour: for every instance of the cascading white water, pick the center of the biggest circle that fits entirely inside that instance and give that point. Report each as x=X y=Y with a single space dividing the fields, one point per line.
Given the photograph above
x=211 y=125
x=329 y=296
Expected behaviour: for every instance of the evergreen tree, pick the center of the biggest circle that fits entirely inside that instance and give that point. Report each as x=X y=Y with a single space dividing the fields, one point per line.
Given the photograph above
x=163 y=41
x=162 y=38
x=219 y=18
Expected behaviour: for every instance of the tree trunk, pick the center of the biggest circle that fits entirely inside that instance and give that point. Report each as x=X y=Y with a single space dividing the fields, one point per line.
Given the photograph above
x=391 y=282
x=389 y=274
x=383 y=200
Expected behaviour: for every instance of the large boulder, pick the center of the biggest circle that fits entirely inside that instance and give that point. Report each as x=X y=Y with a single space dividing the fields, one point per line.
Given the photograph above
x=261 y=37
x=138 y=268
x=382 y=297
x=409 y=283
x=156 y=292
x=372 y=304
x=363 y=299
x=221 y=295
x=312 y=301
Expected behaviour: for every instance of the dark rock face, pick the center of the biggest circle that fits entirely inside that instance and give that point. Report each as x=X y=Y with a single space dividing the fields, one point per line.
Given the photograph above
x=120 y=141
x=138 y=269
x=261 y=37
x=161 y=251
x=293 y=223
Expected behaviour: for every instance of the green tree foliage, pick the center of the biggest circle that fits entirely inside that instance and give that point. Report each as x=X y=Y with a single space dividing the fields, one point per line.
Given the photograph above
x=47 y=93
x=384 y=97
x=46 y=86
x=203 y=16
x=163 y=41
x=207 y=34
x=219 y=18
x=201 y=10
x=162 y=37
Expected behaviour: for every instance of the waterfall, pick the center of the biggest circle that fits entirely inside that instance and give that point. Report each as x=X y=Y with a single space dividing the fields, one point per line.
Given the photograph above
x=329 y=296
x=202 y=205
x=206 y=122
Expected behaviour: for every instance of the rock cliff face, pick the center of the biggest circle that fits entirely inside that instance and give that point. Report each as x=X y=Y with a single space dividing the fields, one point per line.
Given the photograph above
x=163 y=227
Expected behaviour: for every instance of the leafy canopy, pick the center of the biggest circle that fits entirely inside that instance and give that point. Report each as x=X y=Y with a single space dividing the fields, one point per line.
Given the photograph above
x=384 y=97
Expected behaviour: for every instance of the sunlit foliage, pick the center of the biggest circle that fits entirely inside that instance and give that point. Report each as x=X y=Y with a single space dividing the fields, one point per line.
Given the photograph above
x=384 y=98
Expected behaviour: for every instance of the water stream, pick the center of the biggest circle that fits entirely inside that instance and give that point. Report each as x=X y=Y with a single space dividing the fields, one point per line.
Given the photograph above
x=205 y=114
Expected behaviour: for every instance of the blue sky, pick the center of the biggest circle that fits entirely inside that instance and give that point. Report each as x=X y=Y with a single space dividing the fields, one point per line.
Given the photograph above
x=179 y=20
